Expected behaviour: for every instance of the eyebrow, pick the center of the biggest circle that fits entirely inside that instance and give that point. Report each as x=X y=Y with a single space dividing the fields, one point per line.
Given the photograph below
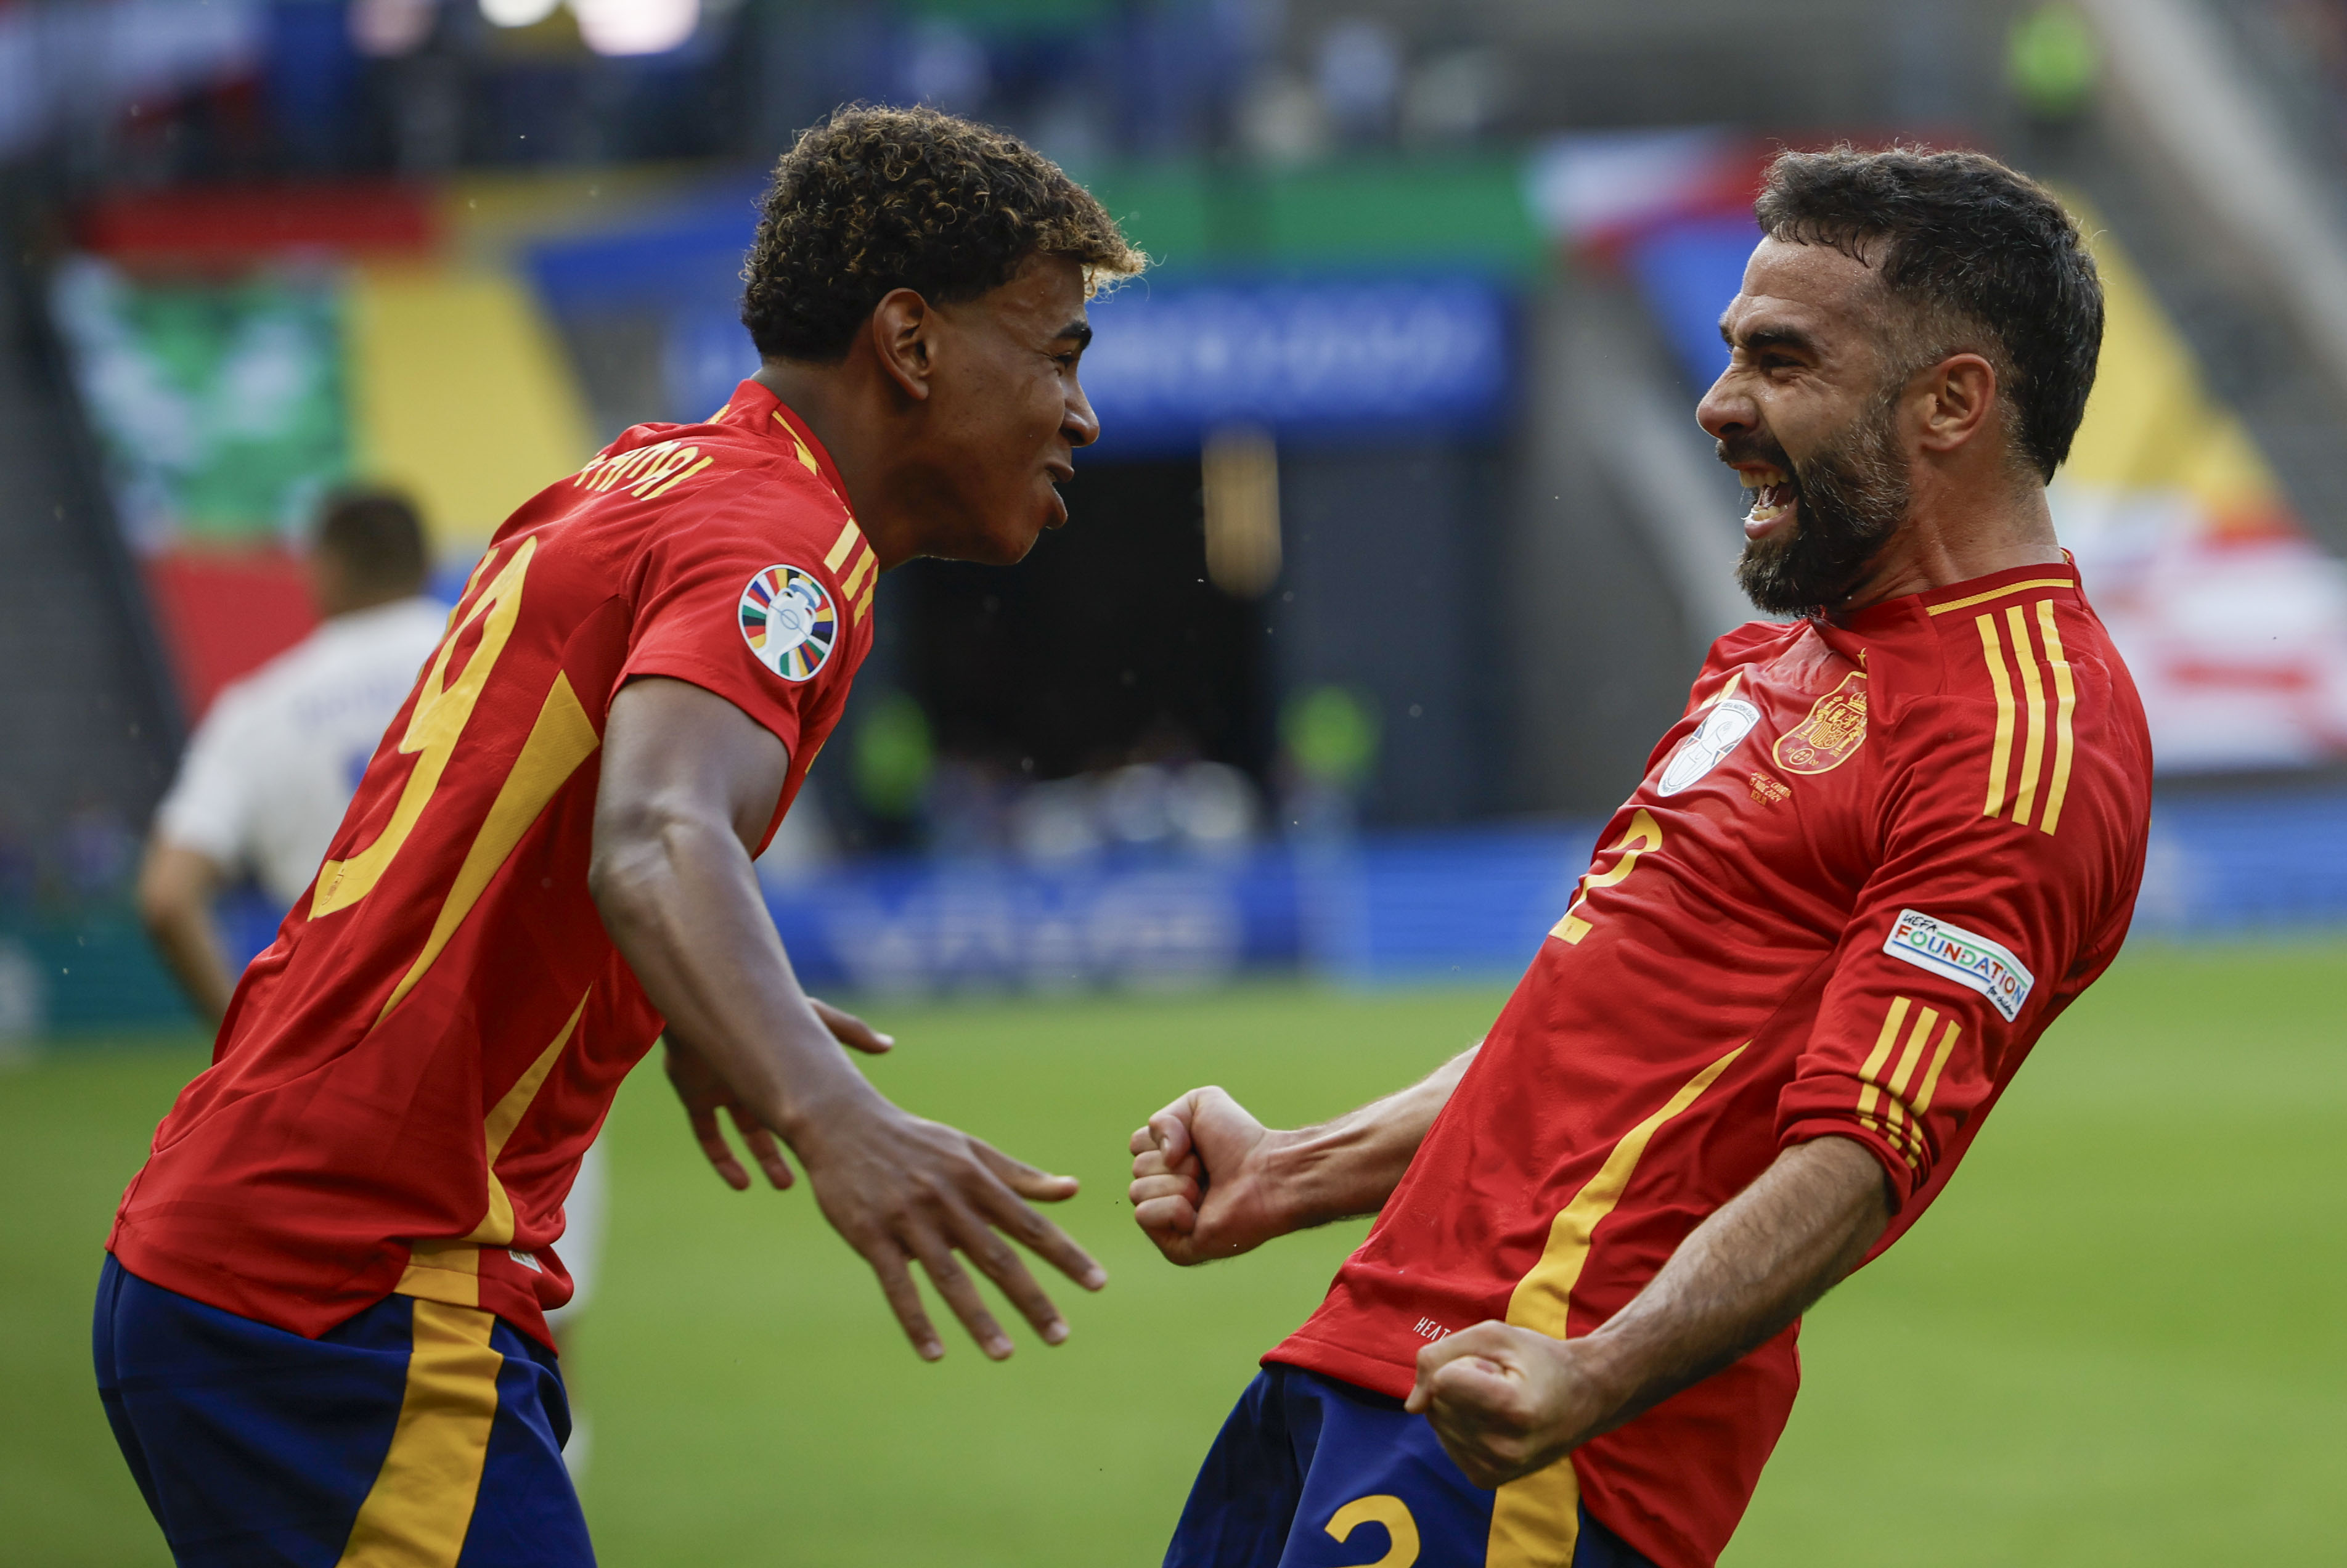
x=1770 y=337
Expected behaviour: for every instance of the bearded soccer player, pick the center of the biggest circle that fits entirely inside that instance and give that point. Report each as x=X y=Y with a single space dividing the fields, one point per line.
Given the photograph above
x=1887 y=844
x=321 y=1334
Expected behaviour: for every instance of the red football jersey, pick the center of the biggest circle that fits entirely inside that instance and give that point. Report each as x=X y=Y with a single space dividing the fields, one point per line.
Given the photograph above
x=408 y=1079
x=1864 y=871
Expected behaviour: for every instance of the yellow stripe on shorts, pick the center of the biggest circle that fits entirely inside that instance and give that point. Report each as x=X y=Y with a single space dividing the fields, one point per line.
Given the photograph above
x=416 y=1513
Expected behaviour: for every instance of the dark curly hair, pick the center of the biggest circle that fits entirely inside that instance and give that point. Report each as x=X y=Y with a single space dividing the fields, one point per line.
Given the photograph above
x=876 y=198
x=1980 y=256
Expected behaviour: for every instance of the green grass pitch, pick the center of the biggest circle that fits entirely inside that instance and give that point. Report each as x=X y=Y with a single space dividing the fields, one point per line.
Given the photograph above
x=2116 y=1340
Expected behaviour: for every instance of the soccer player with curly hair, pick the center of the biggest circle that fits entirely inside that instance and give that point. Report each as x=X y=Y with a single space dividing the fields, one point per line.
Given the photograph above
x=321 y=1331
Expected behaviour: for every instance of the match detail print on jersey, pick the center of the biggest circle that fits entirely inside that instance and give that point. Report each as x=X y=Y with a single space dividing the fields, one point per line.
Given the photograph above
x=789 y=621
x=1964 y=957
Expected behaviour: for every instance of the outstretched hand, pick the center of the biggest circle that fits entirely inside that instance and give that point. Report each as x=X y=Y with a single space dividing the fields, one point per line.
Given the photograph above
x=704 y=1093
x=902 y=1189
x=1200 y=1183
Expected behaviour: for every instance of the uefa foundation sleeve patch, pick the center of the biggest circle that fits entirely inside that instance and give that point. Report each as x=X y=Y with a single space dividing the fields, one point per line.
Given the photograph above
x=1966 y=958
x=789 y=621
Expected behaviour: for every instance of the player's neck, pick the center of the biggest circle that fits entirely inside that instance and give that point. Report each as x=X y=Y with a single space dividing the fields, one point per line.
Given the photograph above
x=850 y=412
x=1953 y=534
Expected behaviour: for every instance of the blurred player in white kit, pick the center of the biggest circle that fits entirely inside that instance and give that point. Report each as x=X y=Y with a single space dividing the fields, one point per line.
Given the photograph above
x=271 y=768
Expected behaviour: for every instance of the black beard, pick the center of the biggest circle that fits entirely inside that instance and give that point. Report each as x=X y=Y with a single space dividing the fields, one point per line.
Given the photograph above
x=1849 y=497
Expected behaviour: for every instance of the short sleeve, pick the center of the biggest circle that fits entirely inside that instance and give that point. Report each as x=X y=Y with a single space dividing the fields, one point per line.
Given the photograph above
x=748 y=610
x=210 y=807
x=1962 y=944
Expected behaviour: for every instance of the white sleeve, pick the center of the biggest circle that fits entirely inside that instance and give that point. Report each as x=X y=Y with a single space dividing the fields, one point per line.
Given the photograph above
x=209 y=807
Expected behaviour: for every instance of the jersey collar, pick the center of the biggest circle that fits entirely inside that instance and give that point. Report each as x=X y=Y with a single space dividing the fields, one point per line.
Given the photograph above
x=753 y=407
x=1892 y=641
x=1958 y=597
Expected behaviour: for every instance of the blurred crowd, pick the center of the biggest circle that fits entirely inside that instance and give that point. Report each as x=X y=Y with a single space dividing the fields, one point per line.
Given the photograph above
x=155 y=91
x=1157 y=802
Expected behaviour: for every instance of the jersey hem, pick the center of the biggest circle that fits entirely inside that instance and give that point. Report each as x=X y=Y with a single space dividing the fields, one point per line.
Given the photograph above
x=1904 y=1179
x=1379 y=1376
x=319 y=1312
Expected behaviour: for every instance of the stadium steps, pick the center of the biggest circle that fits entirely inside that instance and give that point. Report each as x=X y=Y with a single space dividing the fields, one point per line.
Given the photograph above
x=91 y=727
x=2236 y=224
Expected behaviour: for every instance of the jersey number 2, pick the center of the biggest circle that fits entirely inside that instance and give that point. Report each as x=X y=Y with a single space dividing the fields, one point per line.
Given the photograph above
x=1645 y=833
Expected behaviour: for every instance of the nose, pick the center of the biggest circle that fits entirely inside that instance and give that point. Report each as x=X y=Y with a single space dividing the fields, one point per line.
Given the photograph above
x=1727 y=410
x=1078 y=422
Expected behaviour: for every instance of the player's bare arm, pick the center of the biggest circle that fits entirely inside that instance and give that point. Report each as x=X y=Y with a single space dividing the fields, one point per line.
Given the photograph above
x=1507 y=1401
x=1209 y=1181
x=176 y=884
x=689 y=782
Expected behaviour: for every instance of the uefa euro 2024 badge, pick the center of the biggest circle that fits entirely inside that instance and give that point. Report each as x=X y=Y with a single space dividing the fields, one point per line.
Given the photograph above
x=1725 y=725
x=789 y=620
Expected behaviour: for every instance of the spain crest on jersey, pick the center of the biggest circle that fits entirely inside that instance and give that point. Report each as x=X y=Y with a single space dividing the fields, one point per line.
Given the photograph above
x=789 y=621
x=1834 y=730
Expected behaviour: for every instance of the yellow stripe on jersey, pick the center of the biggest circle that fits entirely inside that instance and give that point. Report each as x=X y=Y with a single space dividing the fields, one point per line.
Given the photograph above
x=863 y=605
x=1891 y=1022
x=806 y=458
x=1536 y=1521
x=1939 y=1061
x=420 y=1507
x=850 y=535
x=2066 y=696
x=1894 y=1103
x=864 y=563
x=2048 y=702
x=1917 y=1039
x=1999 y=757
x=445 y=1271
x=562 y=738
x=1998 y=593
x=496 y=1226
x=1904 y=1139
x=2032 y=753
x=1882 y=1103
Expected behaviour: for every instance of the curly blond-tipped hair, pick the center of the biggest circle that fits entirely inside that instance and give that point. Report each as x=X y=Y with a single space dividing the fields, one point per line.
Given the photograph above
x=876 y=198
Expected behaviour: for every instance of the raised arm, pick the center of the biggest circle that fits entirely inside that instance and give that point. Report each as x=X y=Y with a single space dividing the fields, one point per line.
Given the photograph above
x=689 y=782
x=1507 y=1401
x=1210 y=1181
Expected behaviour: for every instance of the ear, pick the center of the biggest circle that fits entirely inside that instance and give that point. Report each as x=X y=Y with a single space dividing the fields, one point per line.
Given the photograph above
x=1958 y=395
x=903 y=332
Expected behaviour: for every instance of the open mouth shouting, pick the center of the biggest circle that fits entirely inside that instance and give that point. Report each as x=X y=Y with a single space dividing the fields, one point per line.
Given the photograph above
x=1773 y=500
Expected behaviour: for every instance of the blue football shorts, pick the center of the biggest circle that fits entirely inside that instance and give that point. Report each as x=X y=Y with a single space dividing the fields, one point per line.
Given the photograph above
x=416 y=1433
x=1310 y=1473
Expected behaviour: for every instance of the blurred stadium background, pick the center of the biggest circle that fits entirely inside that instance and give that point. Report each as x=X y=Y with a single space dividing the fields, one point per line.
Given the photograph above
x=1398 y=551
